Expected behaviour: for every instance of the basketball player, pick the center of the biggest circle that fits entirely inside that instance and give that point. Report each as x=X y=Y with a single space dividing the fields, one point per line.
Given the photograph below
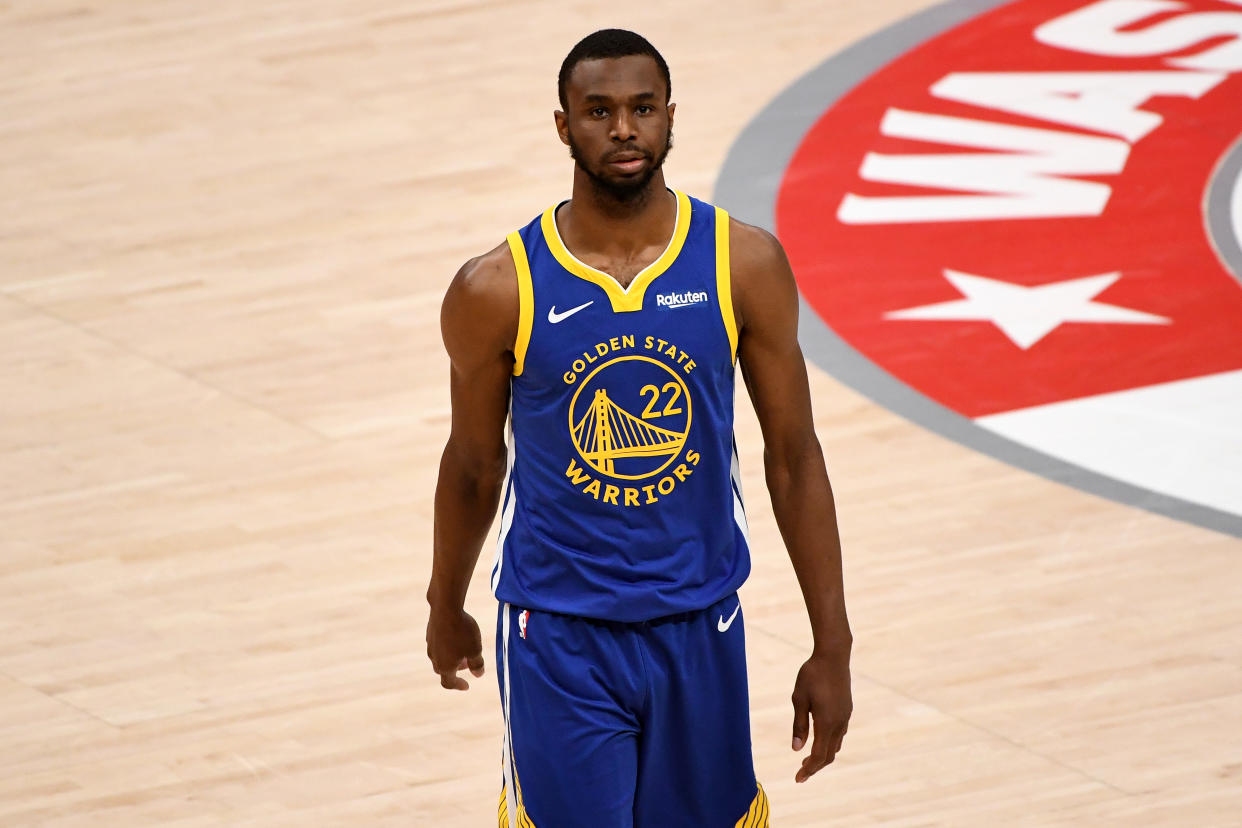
x=605 y=333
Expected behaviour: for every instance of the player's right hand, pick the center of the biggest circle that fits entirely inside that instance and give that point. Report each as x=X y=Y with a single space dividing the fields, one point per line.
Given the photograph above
x=454 y=643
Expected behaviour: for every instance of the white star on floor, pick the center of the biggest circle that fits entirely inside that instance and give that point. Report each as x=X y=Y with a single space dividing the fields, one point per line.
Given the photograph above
x=1028 y=314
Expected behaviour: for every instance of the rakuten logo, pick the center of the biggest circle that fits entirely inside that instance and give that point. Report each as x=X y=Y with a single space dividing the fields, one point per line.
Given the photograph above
x=681 y=300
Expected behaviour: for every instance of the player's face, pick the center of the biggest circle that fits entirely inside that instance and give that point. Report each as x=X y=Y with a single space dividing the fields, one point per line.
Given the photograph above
x=618 y=128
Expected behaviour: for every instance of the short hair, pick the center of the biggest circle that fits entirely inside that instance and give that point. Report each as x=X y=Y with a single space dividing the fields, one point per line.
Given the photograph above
x=610 y=43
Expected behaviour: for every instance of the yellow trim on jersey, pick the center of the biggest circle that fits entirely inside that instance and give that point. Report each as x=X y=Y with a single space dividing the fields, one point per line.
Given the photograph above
x=526 y=302
x=724 y=281
x=757 y=815
x=624 y=299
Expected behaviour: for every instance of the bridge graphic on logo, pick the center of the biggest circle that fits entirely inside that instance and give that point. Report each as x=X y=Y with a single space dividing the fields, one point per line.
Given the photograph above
x=607 y=432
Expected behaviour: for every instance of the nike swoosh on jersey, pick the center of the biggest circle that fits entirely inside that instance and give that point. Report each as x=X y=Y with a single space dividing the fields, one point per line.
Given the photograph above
x=724 y=625
x=555 y=317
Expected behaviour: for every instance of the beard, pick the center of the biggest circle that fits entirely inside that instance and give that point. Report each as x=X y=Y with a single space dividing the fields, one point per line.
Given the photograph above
x=627 y=191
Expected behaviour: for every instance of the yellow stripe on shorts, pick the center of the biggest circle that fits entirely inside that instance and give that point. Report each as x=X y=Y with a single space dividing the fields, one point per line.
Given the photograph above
x=757 y=815
x=502 y=814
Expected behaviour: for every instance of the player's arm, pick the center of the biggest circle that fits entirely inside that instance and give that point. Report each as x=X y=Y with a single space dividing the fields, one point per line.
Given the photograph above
x=766 y=309
x=478 y=321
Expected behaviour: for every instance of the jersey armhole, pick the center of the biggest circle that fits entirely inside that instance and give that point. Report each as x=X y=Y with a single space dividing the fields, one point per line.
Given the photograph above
x=526 y=301
x=724 y=286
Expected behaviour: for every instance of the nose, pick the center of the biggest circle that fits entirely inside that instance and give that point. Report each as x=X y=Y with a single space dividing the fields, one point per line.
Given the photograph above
x=623 y=127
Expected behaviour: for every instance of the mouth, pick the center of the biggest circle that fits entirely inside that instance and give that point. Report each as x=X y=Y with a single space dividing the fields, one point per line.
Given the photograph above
x=626 y=162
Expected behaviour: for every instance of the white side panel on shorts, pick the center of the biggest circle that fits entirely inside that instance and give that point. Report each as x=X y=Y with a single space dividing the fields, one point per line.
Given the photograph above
x=511 y=797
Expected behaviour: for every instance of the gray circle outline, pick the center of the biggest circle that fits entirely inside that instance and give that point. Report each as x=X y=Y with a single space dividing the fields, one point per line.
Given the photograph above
x=748 y=185
x=1218 y=209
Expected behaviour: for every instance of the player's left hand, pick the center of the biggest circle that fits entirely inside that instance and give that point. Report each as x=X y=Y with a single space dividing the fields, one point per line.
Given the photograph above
x=822 y=693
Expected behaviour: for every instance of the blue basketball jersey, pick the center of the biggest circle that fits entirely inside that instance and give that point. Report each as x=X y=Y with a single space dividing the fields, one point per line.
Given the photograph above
x=623 y=500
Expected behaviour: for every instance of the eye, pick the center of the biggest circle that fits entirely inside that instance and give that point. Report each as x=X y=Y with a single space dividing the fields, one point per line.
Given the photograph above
x=599 y=112
x=644 y=109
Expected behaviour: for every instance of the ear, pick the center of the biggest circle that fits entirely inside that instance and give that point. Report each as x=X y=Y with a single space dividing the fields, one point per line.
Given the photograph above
x=671 y=109
x=562 y=125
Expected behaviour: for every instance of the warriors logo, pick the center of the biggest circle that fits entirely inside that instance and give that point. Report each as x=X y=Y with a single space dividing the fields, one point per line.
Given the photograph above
x=630 y=417
x=629 y=420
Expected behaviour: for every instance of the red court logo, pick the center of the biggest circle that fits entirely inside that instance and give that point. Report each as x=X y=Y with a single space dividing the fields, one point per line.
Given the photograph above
x=1029 y=213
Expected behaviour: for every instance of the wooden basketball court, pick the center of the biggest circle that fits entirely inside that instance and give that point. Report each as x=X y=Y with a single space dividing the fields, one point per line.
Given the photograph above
x=226 y=231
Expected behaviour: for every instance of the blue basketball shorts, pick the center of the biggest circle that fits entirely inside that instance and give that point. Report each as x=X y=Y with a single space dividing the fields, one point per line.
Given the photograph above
x=626 y=725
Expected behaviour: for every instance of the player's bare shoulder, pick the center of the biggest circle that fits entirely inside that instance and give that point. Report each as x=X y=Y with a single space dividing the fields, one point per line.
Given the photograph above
x=759 y=271
x=479 y=314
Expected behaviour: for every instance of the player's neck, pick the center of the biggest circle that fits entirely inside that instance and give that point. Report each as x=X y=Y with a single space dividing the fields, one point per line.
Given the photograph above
x=595 y=220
